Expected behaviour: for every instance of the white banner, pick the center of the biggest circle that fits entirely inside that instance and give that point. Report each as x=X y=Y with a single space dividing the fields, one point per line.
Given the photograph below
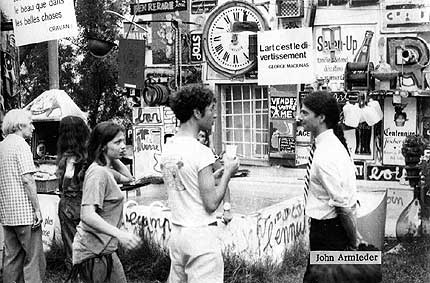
x=43 y=20
x=285 y=57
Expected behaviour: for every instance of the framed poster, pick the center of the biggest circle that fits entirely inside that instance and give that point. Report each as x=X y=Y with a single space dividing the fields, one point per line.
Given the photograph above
x=147 y=146
x=400 y=120
x=361 y=142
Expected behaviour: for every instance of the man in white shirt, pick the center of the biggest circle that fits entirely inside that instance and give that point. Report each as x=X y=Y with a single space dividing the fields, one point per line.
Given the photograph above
x=332 y=184
x=187 y=167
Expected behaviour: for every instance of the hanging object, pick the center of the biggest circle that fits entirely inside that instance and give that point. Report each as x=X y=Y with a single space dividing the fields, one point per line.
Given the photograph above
x=99 y=47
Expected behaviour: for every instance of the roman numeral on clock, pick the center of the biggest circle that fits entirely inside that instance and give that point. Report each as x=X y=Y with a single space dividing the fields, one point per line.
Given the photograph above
x=235 y=59
x=217 y=38
x=219 y=49
x=227 y=20
x=246 y=56
x=236 y=16
x=226 y=56
x=245 y=16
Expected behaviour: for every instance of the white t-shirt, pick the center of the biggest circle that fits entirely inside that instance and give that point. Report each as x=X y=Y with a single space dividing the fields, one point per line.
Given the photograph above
x=181 y=161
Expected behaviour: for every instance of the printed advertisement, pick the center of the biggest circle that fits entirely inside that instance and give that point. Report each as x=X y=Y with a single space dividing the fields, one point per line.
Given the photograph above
x=346 y=42
x=282 y=126
x=400 y=120
x=147 y=141
x=38 y=21
x=287 y=62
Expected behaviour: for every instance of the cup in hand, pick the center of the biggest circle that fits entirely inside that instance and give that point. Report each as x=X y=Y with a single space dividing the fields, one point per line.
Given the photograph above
x=230 y=150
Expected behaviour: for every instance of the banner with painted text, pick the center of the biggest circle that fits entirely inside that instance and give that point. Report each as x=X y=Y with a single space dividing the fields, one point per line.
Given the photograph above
x=44 y=20
x=289 y=61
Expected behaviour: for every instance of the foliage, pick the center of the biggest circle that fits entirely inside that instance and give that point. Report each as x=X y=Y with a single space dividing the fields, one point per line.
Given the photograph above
x=413 y=145
x=90 y=81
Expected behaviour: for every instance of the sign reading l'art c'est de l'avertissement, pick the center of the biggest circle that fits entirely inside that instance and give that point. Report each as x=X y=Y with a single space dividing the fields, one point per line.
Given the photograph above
x=160 y=6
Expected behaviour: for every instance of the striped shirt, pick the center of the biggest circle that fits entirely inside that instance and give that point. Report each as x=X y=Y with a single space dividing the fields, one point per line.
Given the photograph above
x=15 y=160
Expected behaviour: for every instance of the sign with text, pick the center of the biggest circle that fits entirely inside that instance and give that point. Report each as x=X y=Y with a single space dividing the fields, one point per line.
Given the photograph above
x=359 y=170
x=158 y=7
x=147 y=146
x=399 y=122
x=43 y=20
x=289 y=62
x=404 y=16
x=203 y=6
x=385 y=173
x=196 y=47
x=283 y=107
x=332 y=69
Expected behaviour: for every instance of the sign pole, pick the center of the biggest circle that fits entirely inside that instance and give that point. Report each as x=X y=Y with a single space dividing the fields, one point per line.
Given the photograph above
x=54 y=74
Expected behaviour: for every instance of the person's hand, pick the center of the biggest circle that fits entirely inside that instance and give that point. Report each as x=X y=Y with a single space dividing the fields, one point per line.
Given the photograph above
x=129 y=240
x=218 y=173
x=231 y=165
x=37 y=220
x=227 y=216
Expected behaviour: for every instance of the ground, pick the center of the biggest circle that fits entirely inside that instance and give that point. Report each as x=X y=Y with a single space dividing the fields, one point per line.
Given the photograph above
x=149 y=265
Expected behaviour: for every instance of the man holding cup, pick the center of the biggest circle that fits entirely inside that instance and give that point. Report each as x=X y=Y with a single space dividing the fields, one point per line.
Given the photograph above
x=187 y=168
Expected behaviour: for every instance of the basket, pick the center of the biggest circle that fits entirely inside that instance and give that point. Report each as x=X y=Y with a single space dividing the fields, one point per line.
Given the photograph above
x=46 y=186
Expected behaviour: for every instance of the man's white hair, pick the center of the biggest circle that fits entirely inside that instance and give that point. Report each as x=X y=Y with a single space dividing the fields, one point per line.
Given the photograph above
x=14 y=120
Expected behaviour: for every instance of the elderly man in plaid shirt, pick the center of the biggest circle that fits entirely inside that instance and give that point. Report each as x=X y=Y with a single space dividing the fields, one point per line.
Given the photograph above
x=20 y=215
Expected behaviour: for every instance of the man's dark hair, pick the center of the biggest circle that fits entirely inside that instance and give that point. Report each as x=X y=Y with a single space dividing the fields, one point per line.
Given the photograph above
x=322 y=102
x=188 y=98
x=398 y=114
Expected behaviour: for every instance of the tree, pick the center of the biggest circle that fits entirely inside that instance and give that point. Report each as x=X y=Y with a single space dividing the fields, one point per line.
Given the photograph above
x=90 y=81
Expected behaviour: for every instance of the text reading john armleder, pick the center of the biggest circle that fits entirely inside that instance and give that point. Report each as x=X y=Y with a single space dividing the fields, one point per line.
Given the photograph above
x=345 y=257
x=290 y=51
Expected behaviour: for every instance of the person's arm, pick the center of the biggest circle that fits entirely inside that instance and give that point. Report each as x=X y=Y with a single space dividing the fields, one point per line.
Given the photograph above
x=90 y=217
x=31 y=191
x=349 y=222
x=211 y=193
x=121 y=172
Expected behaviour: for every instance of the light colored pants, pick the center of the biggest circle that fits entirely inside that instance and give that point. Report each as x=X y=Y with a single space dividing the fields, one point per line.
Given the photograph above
x=196 y=255
x=23 y=257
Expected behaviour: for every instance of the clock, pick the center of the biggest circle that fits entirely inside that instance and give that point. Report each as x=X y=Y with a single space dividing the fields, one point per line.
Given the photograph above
x=226 y=37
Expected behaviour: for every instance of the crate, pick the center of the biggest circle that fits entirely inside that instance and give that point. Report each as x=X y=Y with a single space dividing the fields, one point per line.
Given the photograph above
x=47 y=186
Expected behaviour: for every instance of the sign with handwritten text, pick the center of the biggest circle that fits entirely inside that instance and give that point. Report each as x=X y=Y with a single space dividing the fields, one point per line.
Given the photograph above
x=147 y=144
x=43 y=20
x=385 y=173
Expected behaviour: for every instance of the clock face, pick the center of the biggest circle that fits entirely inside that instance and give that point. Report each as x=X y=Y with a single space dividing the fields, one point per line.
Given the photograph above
x=227 y=50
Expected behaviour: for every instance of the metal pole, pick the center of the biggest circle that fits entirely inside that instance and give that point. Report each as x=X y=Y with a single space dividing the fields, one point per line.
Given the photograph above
x=54 y=73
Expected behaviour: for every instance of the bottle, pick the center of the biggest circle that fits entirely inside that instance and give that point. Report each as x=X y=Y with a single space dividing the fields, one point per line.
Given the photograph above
x=363 y=53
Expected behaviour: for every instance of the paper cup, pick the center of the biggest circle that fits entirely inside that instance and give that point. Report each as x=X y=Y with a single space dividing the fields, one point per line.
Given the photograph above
x=230 y=150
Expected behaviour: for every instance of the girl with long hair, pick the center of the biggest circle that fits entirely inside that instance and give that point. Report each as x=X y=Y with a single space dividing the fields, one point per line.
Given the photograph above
x=98 y=233
x=71 y=159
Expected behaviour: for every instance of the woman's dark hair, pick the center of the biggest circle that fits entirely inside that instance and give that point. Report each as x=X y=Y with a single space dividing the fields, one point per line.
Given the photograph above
x=322 y=102
x=188 y=98
x=102 y=133
x=72 y=141
x=206 y=142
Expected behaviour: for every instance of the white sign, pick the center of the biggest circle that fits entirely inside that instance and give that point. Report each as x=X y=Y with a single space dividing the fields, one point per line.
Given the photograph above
x=286 y=61
x=43 y=20
x=399 y=122
x=332 y=68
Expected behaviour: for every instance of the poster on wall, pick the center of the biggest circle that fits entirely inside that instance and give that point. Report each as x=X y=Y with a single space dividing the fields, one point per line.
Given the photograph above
x=289 y=61
x=400 y=120
x=303 y=145
x=360 y=142
x=347 y=42
x=282 y=126
x=147 y=143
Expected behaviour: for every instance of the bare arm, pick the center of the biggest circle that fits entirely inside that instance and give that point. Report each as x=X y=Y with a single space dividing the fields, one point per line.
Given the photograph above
x=31 y=191
x=213 y=194
x=121 y=172
x=92 y=219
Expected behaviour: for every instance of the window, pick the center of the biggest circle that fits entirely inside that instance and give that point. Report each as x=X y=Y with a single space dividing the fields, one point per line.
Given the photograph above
x=244 y=117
